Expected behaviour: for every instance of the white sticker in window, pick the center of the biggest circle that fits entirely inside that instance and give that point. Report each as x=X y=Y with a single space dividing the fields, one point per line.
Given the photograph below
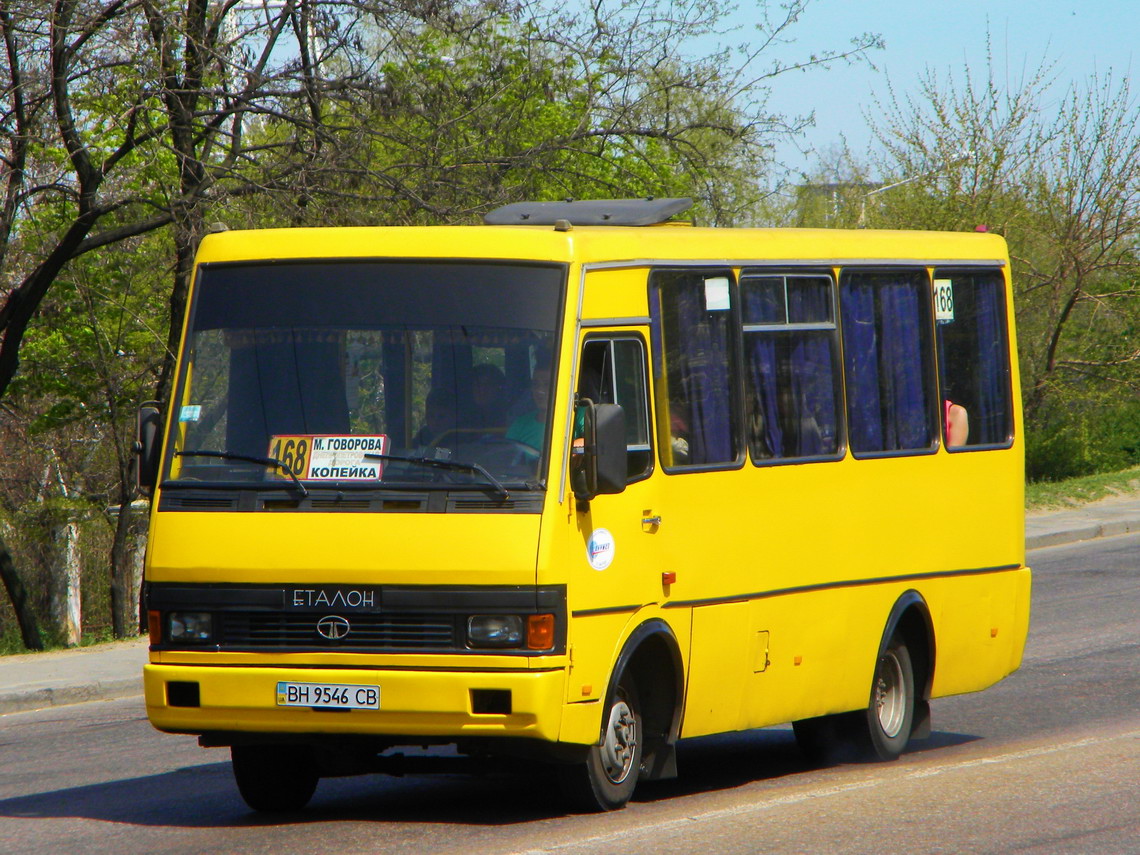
x=190 y=413
x=600 y=549
x=716 y=294
x=943 y=300
x=326 y=457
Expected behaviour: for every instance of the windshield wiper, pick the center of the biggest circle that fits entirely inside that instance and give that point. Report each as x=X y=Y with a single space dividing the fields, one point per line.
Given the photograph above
x=247 y=458
x=493 y=482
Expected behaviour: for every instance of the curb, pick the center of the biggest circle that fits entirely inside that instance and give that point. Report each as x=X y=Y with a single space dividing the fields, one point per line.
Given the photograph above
x=61 y=696
x=1076 y=534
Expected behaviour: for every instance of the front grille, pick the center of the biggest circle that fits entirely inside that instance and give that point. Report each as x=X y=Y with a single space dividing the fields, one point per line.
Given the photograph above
x=371 y=631
x=192 y=503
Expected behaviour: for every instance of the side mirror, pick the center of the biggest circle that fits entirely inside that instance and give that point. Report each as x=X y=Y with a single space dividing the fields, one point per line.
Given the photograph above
x=148 y=446
x=600 y=459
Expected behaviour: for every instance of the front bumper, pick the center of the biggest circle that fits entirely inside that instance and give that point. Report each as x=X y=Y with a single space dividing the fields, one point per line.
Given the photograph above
x=436 y=705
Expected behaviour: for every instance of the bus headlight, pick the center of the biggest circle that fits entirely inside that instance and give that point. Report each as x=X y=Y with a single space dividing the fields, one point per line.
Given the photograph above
x=191 y=627
x=495 y=631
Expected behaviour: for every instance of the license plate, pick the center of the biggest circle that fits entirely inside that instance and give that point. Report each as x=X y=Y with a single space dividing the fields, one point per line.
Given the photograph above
x=328 y=695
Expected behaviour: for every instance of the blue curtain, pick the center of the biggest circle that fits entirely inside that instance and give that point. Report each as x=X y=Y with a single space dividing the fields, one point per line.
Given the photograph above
x=814 y=383
x=792 y=394
x=864 y=420
x=993 y=372
x=792 y=384
x=703 y=350
x=766 y=439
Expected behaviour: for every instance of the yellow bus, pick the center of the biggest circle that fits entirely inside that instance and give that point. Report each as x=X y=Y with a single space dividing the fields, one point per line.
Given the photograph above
x=576 y=484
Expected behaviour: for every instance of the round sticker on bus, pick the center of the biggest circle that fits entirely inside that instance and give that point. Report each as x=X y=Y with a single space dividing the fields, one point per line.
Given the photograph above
x=600 y=549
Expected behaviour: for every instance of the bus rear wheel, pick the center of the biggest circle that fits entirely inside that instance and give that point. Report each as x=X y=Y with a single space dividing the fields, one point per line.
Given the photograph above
x=605 y=780
x=890 y=713
x=275 y=778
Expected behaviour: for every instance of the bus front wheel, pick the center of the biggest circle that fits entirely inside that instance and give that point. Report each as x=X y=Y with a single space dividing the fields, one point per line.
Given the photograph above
x=605 y=780
x=275 y=778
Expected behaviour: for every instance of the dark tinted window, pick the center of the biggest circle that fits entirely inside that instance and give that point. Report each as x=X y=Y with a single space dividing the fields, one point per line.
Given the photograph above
x=973 y=354
x=791 y=358
x=888 y=356
x=346 y=358
x=693 y=335
x=613 y=372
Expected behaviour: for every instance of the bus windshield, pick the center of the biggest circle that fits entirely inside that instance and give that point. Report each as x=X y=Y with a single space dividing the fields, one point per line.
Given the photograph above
x=361 y=373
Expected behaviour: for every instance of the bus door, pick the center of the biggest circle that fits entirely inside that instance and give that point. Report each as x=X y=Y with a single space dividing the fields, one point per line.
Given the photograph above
x=618 y=572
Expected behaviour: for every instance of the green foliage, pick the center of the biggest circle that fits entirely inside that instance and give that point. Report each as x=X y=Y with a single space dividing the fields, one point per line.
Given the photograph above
x=461 y=119
x=1083 y=439
x=95 y=352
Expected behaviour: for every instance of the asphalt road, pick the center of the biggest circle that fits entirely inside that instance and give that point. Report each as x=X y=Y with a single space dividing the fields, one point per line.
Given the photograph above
x=1046 y=762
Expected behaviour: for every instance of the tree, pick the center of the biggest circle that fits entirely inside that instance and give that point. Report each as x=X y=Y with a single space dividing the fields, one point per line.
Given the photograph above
x=120 y=119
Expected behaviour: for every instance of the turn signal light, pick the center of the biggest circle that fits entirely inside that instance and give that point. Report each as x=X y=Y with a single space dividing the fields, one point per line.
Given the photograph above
x=539 y=632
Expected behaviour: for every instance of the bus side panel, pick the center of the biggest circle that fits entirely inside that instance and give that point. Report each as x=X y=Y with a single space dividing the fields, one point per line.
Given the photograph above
x=980 y=624
x=615 y=293
x=816 y=555
x=814 y=666
x=770 y=661
x=714 y=700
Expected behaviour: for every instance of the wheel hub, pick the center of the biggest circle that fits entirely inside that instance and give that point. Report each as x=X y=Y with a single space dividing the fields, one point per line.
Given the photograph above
x=890 y=702
x=618 y=750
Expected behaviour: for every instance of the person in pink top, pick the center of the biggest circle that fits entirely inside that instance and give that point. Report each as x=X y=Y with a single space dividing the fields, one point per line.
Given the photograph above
x=957 y=424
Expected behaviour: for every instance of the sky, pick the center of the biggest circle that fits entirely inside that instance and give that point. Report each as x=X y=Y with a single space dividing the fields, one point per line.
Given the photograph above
x=1079 y=36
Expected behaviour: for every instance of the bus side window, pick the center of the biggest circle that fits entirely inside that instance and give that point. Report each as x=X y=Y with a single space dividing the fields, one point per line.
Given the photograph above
x=613 y=372
x=694 y=360
x=888 y=360
x=791 y=359
x=973 y=353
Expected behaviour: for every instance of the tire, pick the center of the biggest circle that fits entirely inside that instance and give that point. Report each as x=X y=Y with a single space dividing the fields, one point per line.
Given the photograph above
x=890 y=712
x=605 y=780
x=275 y=778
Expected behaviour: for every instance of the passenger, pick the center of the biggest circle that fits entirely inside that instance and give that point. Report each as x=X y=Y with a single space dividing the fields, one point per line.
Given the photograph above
x=957 y=424
x=678 y=434
x=489 y=392
x=439 y=418
x=530 y=427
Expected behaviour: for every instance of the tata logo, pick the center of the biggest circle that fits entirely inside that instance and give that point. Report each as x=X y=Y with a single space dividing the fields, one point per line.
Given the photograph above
x=333 y=627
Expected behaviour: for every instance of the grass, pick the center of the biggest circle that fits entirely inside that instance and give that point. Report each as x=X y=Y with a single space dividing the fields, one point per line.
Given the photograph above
x=1059 y=495
x=11 y=643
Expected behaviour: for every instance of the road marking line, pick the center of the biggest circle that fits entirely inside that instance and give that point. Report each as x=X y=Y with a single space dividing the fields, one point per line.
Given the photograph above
x=839 y=789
